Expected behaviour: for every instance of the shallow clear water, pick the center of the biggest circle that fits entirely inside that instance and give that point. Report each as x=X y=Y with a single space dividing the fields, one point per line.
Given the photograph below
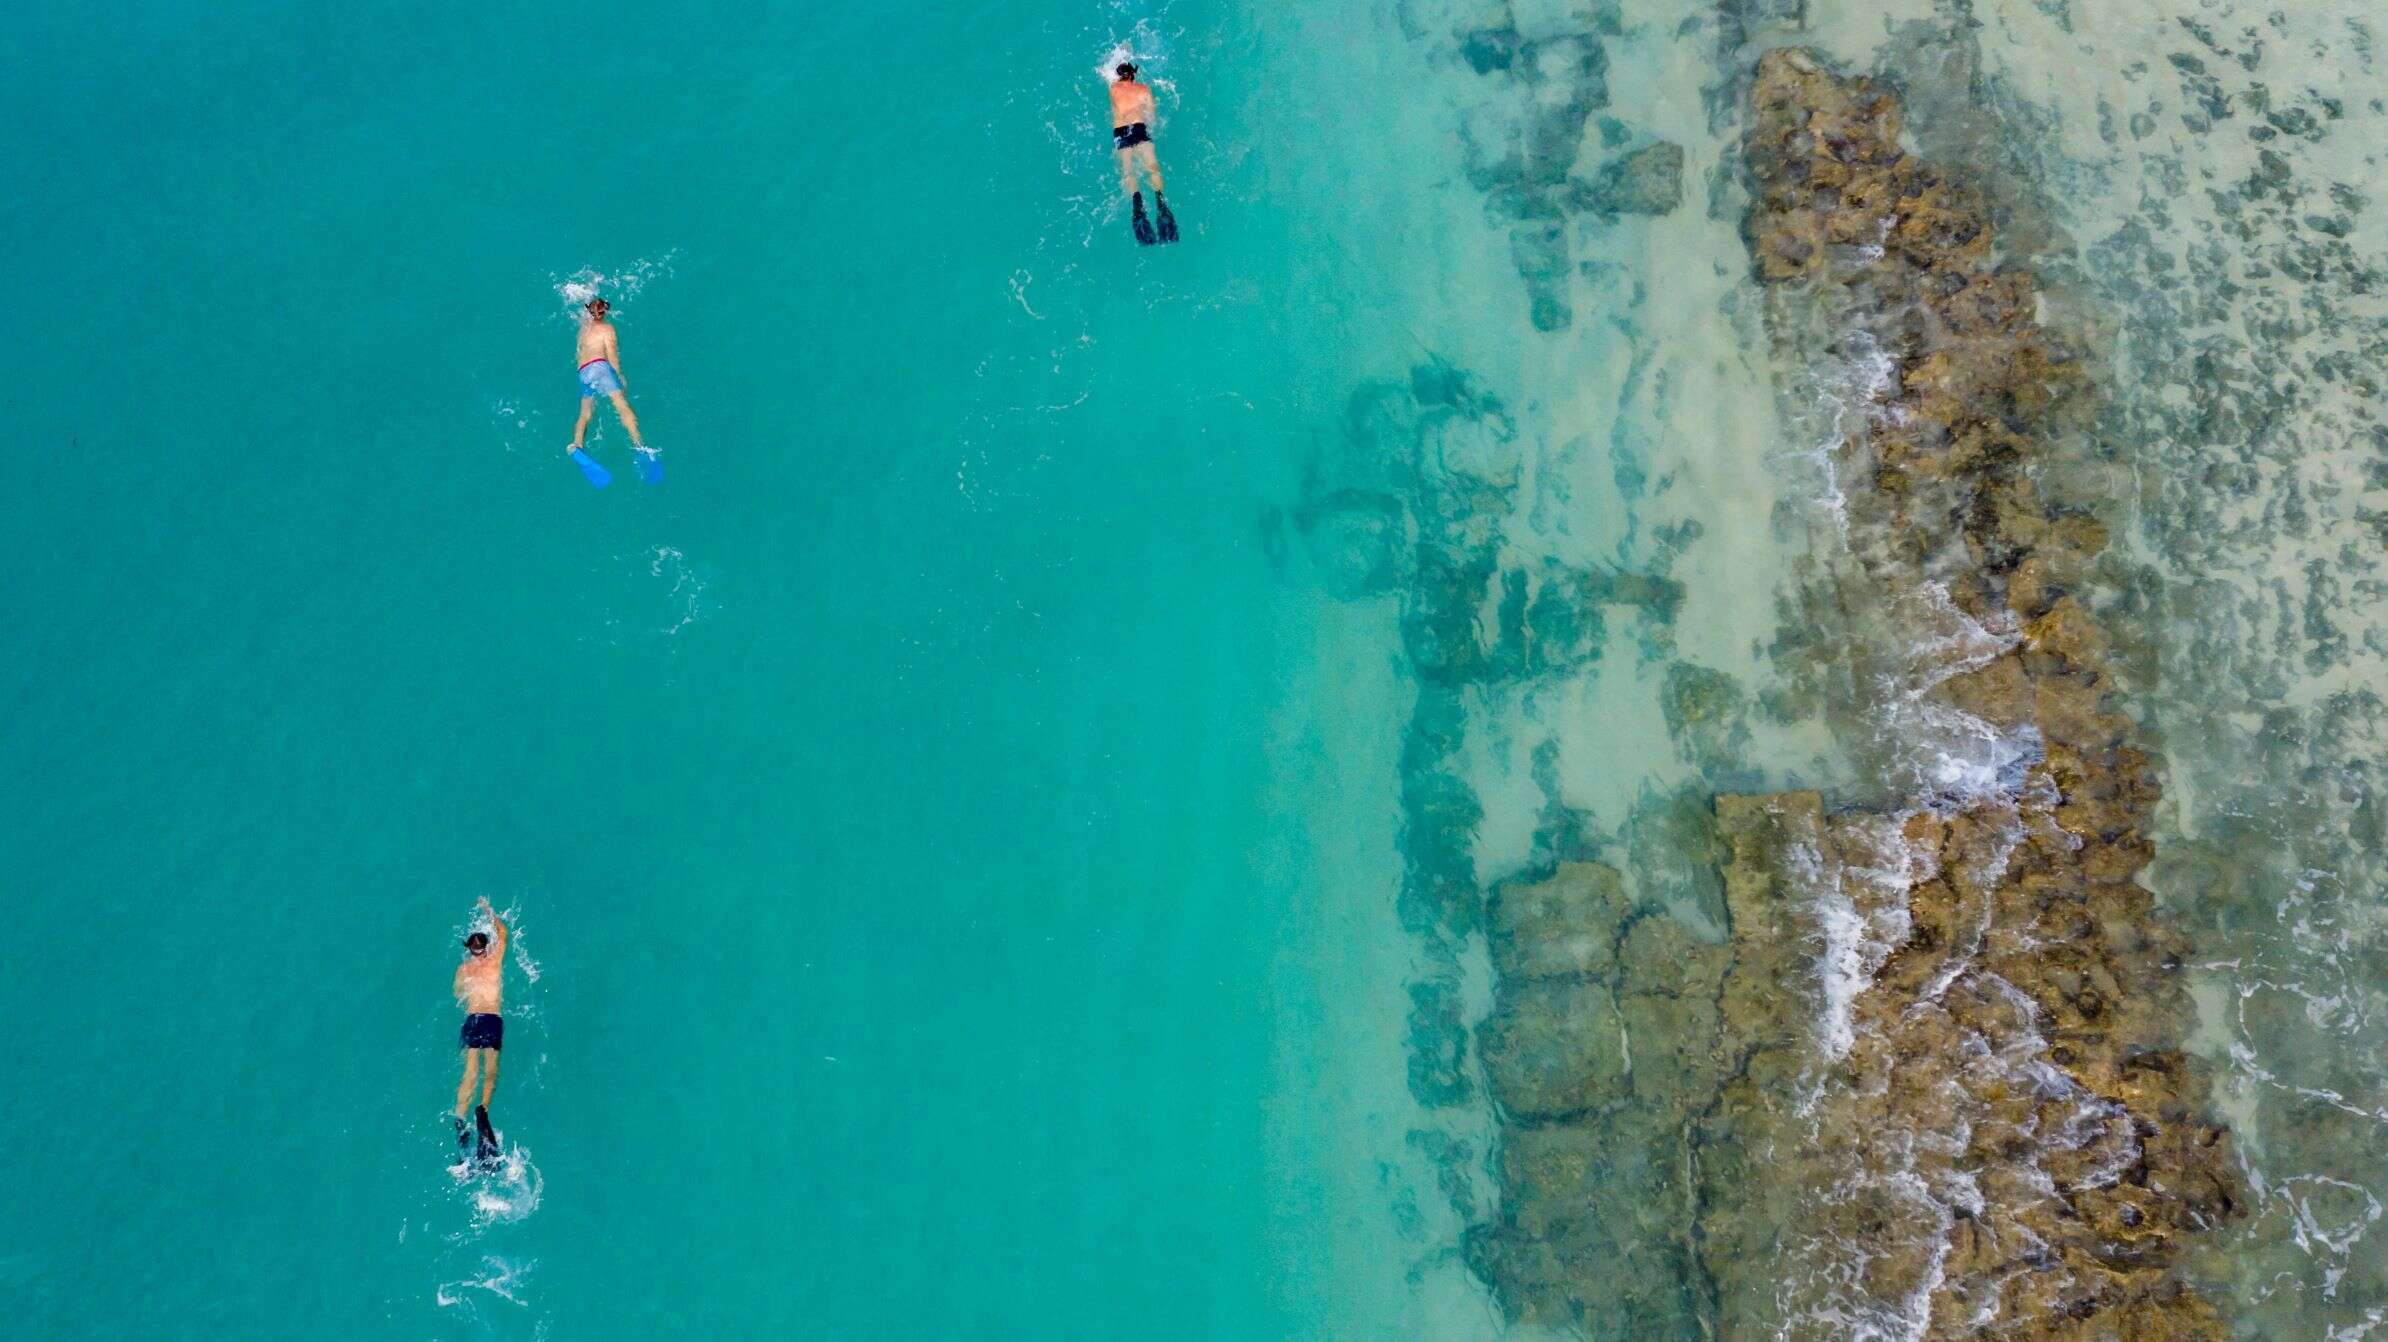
x=990 y=855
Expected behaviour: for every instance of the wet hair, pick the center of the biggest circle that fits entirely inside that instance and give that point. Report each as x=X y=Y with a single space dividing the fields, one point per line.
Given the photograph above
x=598 y=307
x=1125 y=71
x=477 y=942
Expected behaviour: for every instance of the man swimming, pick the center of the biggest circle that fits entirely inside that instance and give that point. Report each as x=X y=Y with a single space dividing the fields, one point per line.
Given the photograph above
x=1132 y=116
x=600 y=355
x=481 y=989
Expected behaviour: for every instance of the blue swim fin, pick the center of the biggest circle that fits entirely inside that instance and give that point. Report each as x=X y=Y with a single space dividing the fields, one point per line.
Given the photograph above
x=1142 y=226
x=1166 y=220
x=589 y=467
x=650 y=466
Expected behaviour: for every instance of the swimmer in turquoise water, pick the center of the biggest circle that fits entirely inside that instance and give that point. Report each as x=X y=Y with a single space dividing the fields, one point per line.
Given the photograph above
x=1132 y=117
x=600 y=355
x=480 y=988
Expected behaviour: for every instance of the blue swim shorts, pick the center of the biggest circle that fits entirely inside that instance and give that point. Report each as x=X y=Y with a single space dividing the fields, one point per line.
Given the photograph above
x=483 y=1030
x=597 y=379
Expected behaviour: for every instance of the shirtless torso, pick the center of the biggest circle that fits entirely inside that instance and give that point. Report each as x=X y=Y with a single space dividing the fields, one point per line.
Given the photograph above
x=1131 y=102
x=481 y=984
x=598 y=341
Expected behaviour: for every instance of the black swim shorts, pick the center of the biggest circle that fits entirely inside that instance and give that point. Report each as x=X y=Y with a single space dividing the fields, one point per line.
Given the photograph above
x=1128 y=137
x=483 y=1030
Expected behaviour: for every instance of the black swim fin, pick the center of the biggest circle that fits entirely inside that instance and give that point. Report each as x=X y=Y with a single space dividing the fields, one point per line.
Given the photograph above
x=485 y=1146
x=1136 y=220
x=464 y=1137
x=1164 y=218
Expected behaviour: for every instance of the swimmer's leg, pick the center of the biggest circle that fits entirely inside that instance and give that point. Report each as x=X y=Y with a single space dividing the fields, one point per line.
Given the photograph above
x=629 y=420
x=488 y=1076
x=1152 y=164
x=464 y=1088
x=580 y=431
x=1127 y=172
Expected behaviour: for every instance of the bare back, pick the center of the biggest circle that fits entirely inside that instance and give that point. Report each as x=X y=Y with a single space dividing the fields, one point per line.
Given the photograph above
x=596 y=342
x=481 y=983
x=1131 y=102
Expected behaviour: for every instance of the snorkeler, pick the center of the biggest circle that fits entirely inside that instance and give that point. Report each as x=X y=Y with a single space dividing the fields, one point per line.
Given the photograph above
x=480 y=989
x=1132 y=115
x=600 y=355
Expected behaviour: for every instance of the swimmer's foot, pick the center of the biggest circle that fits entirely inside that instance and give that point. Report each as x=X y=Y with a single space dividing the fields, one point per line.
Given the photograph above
x=1136 y=220
x=1164 y=218
x=650 y=466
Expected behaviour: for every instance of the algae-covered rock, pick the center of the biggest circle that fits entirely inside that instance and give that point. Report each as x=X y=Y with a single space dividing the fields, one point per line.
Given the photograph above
x=1703 y=709
x=1553 y=1047
x=1659 y=955
x=1674 y=1039
x=1998 y=692
x=1355 y=540
x=1563 y=926
x=1647 y=181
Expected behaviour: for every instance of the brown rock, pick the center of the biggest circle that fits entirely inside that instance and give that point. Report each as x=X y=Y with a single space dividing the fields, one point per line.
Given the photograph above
x=1564 y=925
x=1997 y=692
x=1553 y=1047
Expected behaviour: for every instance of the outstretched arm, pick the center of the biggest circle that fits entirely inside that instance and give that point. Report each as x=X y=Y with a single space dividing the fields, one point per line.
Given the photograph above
x=497 y=945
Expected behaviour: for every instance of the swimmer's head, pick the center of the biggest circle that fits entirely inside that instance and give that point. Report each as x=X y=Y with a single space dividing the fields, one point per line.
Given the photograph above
x=598 y=307
x=477 y=943
x=1125 y=72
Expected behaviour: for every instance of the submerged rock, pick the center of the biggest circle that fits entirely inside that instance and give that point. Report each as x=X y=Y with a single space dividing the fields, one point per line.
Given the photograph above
x=1565 y=925
x=1553 y=1047
x=1356 y=541
x=1647 y=181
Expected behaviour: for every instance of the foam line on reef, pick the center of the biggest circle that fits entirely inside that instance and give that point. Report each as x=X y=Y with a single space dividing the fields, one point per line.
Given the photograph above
x=2019 y=1054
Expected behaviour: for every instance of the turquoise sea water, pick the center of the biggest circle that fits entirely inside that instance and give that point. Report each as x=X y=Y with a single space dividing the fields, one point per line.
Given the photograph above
x=892 y=807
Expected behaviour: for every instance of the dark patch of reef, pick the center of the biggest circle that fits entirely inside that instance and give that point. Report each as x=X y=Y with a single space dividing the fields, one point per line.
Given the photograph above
x=1526 y=146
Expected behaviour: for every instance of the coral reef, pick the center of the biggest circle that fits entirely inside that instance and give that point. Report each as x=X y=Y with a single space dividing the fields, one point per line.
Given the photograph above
x=1933 y=1085
x=1647 y=181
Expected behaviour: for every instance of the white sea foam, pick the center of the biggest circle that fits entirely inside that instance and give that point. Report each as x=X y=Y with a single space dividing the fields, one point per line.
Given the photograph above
x=498 y=1278
x=509 y=1194
x=684 y=598
x=573 y=291
x=1141 y=47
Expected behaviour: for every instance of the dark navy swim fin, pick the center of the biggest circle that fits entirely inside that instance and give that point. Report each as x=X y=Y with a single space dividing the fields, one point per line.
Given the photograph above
x=485 y=1145
x=1136 y=220
x=650 y=467
x=1164 y=218
x=589 y=467
x=464 y=1137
